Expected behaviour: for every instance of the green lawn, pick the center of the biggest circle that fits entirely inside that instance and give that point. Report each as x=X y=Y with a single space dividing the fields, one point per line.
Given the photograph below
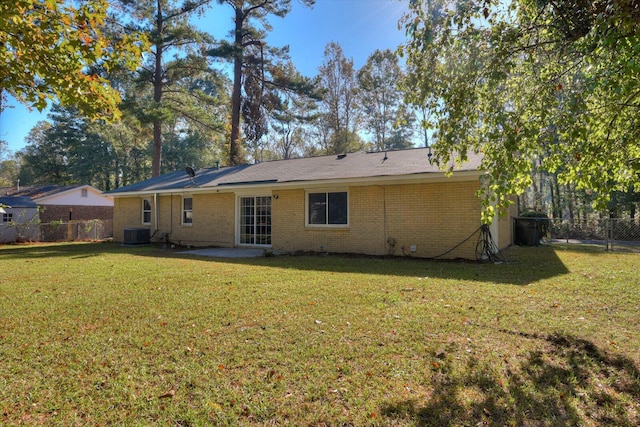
x=99 y=334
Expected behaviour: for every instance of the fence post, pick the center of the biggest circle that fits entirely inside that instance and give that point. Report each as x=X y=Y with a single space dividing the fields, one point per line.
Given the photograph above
x=607 y=233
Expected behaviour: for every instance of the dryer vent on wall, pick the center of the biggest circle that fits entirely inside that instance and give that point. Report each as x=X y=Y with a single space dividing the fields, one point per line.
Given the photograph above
x=136 y=236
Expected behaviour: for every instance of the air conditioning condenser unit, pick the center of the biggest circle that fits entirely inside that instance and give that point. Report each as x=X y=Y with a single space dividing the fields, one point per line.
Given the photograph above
x=136 y=236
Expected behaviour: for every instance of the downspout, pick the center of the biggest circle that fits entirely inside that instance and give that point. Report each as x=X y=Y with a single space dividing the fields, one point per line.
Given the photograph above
x=155 y=210
x=495 y=230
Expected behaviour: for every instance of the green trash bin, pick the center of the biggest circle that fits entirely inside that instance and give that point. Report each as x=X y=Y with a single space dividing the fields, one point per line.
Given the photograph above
x=528 y=231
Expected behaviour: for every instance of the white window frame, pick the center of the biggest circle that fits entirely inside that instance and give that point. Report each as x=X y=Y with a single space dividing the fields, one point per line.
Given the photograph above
x=146 y=210
x=184 y=211
x=326 y=192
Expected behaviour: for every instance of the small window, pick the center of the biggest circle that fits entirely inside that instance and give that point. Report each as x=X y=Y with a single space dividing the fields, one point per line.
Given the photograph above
x=7 y=217
x=187 y=210
x=83 y=193
x=327 y=208
x=146 y=211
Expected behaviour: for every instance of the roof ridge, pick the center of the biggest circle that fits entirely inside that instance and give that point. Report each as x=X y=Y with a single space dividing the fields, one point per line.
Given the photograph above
x=320 y=156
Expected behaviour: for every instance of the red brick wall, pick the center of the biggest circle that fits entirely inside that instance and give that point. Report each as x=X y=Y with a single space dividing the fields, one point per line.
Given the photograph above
x=82 y=213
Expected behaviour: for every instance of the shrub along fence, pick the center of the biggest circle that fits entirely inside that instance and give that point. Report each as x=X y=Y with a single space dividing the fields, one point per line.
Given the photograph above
x=56 y=231
x=611 y=233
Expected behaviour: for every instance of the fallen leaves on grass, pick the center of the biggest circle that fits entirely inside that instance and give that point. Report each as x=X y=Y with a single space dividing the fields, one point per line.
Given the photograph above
x=168 y=395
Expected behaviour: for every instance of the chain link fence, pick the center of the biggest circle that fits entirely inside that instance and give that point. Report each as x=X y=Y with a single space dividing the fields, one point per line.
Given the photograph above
x=620 y=234
x=56 y=231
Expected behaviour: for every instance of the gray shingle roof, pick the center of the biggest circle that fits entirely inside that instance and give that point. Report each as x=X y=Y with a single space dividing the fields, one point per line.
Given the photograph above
x=38 y=191
x=18 y=202
x=344 y=167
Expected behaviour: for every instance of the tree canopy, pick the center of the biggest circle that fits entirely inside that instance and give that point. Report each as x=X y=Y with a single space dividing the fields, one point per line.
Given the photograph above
x=380 y=97
x=53 y=48
x=248 y=50
x=148 y=64
x=552 y=83
x=176 y=58
x=340 y=114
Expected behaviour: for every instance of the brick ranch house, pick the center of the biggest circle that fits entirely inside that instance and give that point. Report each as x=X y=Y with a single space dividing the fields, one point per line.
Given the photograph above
x=66 y=202
x=55 y=213
x=382 y=203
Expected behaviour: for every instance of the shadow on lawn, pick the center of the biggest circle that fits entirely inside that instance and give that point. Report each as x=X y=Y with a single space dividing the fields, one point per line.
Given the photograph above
x=526 y=264
x=568 y=382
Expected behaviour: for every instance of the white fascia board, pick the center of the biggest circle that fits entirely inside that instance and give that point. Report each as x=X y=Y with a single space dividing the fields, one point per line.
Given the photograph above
x=432 y=177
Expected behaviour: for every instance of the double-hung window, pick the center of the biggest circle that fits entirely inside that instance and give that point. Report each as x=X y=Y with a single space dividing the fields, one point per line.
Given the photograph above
x=327 y=208
x=187 y=210
x=146 y=211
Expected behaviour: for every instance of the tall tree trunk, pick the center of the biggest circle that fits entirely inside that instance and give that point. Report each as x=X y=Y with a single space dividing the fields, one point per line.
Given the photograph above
x=569 y=200
x=157 y=97
x=554 y=196
x=235 y=152
x=287 y=144
x=523 y=203
x=631 y=202
x=536 y=193
x=157 y=148
x=557 y=207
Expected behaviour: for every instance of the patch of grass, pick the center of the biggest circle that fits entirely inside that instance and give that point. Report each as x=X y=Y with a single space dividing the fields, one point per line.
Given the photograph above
x=99 y=334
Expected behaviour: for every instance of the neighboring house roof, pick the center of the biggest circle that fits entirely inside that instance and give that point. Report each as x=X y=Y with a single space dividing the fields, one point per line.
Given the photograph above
x=18 y=202
x=43 y=194
x=349 y=168
x=36 y=192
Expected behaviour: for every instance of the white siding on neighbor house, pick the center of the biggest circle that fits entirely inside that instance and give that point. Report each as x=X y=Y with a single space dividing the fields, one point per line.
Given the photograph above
x=74 y=198
x=23 y=226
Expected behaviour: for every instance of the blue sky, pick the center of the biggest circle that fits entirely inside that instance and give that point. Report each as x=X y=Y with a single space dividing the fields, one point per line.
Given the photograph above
x=359 y=26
